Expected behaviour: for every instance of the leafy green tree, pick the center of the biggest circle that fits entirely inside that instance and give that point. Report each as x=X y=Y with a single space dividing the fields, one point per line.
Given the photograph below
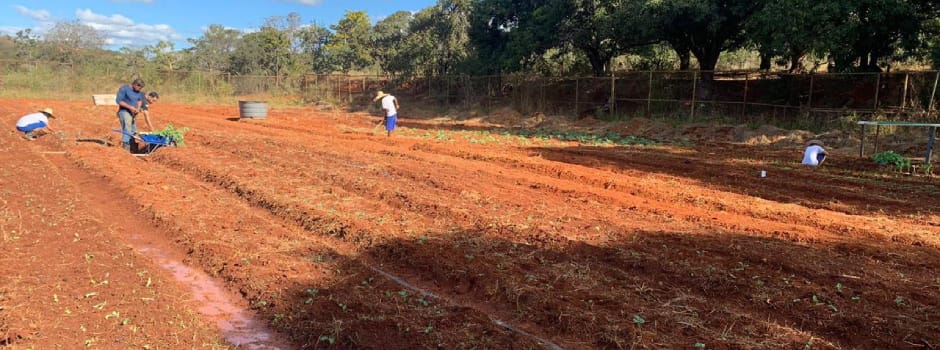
x=420 y=55
x=391 y=52
x=790 y=29
x=505 y=35
x=602 y=30
x=451 y=26
x=213 y=50
x=313 y=45
x=705 y=28
x=351 y=46
x=164 y=56
x=870 y=32
x=518 y=33
x=263 y=52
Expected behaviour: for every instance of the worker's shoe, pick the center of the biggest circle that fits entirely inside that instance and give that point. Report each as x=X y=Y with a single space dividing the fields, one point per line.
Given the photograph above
x=29 y=136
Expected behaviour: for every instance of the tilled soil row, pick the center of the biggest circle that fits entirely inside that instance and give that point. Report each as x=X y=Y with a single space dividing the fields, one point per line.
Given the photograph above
x=67 y=279
x=445 y=269
x=654 y=288
x=316 y=294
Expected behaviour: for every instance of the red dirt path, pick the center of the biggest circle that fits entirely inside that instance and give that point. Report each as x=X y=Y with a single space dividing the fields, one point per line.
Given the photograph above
x=517 y=241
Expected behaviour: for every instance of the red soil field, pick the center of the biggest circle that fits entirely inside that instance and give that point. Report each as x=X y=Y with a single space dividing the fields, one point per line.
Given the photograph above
x=453 y=236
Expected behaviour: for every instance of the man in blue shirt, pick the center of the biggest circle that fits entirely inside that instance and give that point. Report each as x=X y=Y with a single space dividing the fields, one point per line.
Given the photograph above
x=129 y=99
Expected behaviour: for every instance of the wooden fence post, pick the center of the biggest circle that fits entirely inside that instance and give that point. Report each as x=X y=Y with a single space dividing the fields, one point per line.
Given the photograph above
x=933 y=93
x=649 y=97
x=907 y=77
x=744 y=105
x=877 y=90
x=577 y=94
x=694 y=87
x=812 y=81
x=613 y=92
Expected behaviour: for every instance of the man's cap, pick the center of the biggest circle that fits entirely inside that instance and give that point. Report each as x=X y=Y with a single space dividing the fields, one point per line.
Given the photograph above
x=47 y=111
x=814 y=142
x=138 y=82
x=379 y=94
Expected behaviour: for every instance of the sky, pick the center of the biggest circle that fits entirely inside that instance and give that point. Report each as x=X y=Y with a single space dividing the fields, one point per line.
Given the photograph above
x=137 y=23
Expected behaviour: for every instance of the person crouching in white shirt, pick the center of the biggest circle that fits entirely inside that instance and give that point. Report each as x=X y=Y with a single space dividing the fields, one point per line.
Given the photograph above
x=815 y=154
x=32 y=125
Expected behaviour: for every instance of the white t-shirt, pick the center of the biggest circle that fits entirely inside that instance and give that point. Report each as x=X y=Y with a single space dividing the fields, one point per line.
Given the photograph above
x=32 y=119
x=388 y=104
x=810 y=157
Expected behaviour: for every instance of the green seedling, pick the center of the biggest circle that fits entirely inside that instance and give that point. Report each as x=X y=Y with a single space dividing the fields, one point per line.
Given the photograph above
x=328 y=339
x=839 y=287
x=639 y=321
x=899 y=300
x=699 y=345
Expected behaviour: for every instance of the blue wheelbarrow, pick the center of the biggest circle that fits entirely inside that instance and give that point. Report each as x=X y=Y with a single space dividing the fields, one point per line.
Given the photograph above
x=151 y=141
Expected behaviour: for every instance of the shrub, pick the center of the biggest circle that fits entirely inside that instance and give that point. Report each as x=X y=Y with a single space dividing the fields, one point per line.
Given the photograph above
x=890 y=158
x=173 y=134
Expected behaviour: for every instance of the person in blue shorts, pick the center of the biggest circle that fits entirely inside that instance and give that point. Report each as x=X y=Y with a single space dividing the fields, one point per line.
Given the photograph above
x=815 y=154
x=129 y=99
x=35 y=124
x=390 y=106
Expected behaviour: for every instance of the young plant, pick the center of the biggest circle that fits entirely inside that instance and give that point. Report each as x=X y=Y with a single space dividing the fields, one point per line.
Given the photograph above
x=173 y=133
x=890 y=158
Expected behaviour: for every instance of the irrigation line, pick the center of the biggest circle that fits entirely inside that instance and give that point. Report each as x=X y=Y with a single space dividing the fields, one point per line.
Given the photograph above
x=548 y=343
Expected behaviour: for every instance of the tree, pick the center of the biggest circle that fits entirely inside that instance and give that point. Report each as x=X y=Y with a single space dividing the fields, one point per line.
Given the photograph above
x=313 y=42
x=421 y=43
x=391 y=52
x=163 y=55
x=602 y=30
x=69 y=41
x=451 y=26
x=263 y=52
x=26 y=45
x=214 y=49
x=351 y=44
x=501 y=36
x=871 y=31
x=517 y=33
x=790 y=29
x=706 y=28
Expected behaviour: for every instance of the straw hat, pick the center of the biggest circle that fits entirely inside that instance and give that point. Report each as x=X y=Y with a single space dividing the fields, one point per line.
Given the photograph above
x=814 y=142
x=378 y=95
x=47 y=111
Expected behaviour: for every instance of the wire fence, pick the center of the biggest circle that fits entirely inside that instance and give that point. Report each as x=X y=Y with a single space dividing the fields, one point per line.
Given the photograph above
x=800 y=99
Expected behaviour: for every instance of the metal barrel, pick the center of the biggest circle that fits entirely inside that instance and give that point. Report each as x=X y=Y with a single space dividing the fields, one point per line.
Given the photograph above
x=253 y=109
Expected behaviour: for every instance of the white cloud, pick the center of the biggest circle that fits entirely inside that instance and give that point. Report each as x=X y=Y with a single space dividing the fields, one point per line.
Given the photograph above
x=305 y=2
x=11 y=31
x=39 y=15
x=120 y=30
